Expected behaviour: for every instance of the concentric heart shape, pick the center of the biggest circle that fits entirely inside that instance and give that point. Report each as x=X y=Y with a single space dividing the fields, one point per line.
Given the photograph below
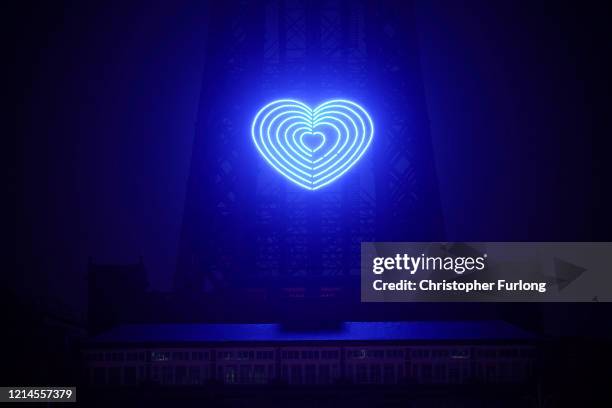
x=312 y=147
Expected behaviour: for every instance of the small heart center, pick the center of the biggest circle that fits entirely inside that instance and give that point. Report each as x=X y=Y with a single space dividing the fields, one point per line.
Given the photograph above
x=313 y=141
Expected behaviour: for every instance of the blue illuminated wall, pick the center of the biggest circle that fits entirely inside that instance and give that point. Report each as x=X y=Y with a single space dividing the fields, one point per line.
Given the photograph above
x=298 y=202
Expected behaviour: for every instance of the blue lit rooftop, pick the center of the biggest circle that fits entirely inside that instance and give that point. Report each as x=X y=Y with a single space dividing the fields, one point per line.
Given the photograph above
x=493 y=330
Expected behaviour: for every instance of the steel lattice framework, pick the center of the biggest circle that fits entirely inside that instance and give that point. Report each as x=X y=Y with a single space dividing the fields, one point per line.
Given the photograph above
x=339 y=47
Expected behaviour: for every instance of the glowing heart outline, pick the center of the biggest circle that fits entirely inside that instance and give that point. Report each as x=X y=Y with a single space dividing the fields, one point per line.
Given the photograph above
x=279 y=128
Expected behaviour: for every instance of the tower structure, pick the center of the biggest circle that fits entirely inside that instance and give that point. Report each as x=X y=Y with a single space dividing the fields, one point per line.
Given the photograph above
x=244 y=221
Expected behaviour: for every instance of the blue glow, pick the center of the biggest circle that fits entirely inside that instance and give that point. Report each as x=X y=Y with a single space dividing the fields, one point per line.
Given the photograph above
x=338 y=132
x=347 y=331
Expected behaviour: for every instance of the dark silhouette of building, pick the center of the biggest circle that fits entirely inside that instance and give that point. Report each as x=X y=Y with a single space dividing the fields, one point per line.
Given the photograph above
x=117 y=294
x=42 y=338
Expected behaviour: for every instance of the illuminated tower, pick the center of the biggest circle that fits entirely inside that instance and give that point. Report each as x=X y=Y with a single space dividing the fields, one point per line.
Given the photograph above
x=244 y=220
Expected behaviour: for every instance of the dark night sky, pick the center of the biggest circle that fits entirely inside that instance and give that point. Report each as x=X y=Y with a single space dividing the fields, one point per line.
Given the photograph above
x=110 y=93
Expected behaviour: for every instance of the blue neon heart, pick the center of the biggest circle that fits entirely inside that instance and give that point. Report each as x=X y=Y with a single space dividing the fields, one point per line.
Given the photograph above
x=312 y=147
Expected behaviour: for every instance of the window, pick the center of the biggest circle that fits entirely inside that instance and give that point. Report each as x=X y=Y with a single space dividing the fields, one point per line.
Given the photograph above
x=265 y=355
x=454 y=374
x=180 y=355
x=180 y=375
x=504 y=371
x=155 y=373
x=132 y=356
x=129 y=376
x=296 y=374
x=439 y=372
x=490 y=373
x=362 y=373
x=114 y=375
x=439 y=353
x=375 y=374
x=246 y=374
x=310 y=354
x=330 y=354
x=166 y=375
x=95 y=357
x=324 y=374
x=160 y=356
x=259 y=374
x=458 y=353
x=508 y=353
x=229 y=375
x=394 y=353
x=389 y=374
x=310 y=374
x=519 y=370
x=487 y=353
x=224 y=355
x=99 y=376
x=194 y=375
x=244 y=355
x=206 y=372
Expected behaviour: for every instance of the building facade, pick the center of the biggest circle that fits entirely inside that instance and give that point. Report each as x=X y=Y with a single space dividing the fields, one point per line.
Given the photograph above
x=356 y=353
x=311 y=50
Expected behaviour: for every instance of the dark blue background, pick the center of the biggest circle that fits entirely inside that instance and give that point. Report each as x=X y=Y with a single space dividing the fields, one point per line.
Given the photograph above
x=108 y=94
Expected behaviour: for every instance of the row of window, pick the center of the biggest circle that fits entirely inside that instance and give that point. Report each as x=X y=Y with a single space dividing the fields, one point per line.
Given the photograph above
x=245 y=355
x=439 y=353
x=504 y=353
x=359 y=373
x=417 y=353
x=117 y=356
x=479 y=353
x=310 y=354
x=374 y=353
x=133 y=375
x=374 y=373
x=180 y=356
x=133 y=356
x=309 y=373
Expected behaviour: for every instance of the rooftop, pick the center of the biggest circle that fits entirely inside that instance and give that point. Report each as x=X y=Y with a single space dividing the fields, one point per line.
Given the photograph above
x=492 y=330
